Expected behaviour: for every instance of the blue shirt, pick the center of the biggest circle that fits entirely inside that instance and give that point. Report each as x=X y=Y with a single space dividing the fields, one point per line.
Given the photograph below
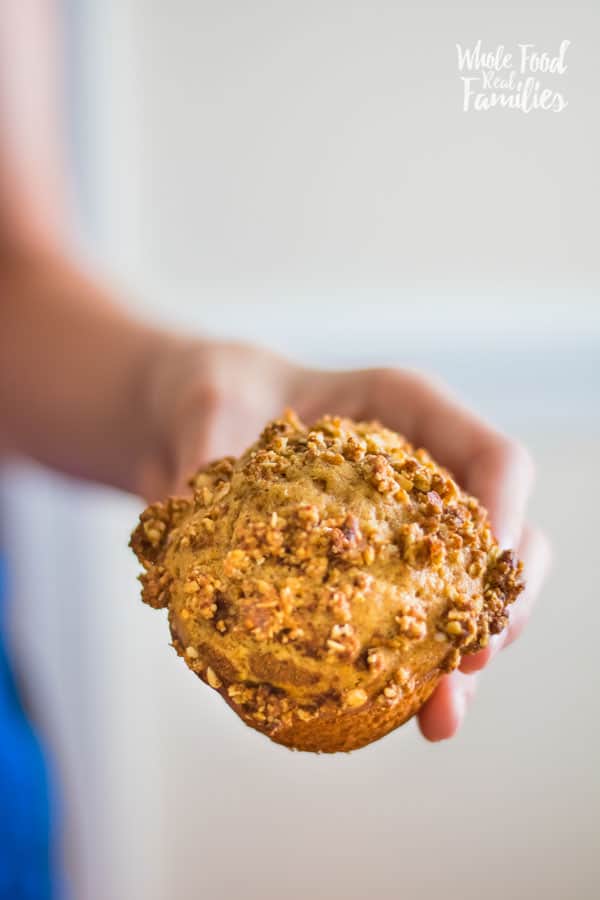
x=25 y=820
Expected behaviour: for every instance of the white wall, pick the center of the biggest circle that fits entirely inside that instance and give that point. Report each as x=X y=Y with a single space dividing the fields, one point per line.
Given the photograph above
x=301 y=174
x=319 y=148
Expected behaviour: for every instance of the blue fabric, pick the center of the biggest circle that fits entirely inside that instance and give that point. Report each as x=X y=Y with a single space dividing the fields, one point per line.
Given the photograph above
x=25 y=821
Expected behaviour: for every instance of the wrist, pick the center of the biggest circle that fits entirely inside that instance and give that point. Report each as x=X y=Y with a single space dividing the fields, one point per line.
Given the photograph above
x=150 y=388
x=175 y=379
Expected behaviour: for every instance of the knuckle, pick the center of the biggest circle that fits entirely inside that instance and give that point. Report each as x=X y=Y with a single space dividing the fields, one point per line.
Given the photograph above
x=424 y=380
x=381 y=378
x=206 y=399
x=378 y=385
x=408 y=379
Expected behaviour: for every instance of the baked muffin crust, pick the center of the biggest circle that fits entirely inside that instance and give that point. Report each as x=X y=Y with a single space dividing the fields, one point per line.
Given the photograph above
x=323 y=582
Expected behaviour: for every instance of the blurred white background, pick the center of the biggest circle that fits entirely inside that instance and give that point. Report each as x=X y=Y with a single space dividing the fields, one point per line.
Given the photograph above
x=302 y=174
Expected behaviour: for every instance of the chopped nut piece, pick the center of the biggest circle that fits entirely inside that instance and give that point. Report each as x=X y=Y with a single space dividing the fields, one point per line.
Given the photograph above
x=213 y=679
x=403 y=675
x=335 y=646
x=422 y=481
x=374 y=659
x=369 y=555
x=405 y=483
x=335 y=458
x=356 y=697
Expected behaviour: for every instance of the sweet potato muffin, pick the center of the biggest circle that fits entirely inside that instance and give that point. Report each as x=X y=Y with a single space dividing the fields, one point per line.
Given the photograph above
x=323 y=582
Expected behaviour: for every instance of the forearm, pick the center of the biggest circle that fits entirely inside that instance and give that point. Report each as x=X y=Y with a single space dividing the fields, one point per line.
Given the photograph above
x=74 y=370
x=73 y=365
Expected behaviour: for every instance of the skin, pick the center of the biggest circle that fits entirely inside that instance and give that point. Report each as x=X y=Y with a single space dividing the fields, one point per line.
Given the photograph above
x=89 y=390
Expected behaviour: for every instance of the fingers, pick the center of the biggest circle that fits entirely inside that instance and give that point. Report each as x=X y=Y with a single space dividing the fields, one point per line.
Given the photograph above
x=478 y=661
x=534 y=551
x=501 y=476
x=498 y=471
x=342 y=393
x=443 y=713
x=441 y=717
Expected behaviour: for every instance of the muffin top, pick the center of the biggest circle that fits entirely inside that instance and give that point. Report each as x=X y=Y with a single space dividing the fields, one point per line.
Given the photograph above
x=328 y=567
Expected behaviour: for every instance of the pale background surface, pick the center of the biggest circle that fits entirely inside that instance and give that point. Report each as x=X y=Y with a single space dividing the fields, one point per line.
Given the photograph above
x=302 y=174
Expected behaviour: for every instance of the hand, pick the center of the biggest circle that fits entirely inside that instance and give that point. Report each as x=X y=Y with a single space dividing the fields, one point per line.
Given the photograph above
x=211 y=399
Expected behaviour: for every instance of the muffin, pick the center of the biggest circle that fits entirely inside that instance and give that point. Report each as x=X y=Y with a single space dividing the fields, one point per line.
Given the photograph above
x=323 y=582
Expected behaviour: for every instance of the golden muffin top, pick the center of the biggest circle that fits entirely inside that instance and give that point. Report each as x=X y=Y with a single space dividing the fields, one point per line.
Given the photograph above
x=328 y=567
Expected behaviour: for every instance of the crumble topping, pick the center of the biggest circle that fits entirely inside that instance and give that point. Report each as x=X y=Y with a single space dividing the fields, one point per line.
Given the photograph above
x=348 y=560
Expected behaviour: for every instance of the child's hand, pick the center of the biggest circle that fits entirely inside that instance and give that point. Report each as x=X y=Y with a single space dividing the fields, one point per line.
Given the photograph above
x=210 y=399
